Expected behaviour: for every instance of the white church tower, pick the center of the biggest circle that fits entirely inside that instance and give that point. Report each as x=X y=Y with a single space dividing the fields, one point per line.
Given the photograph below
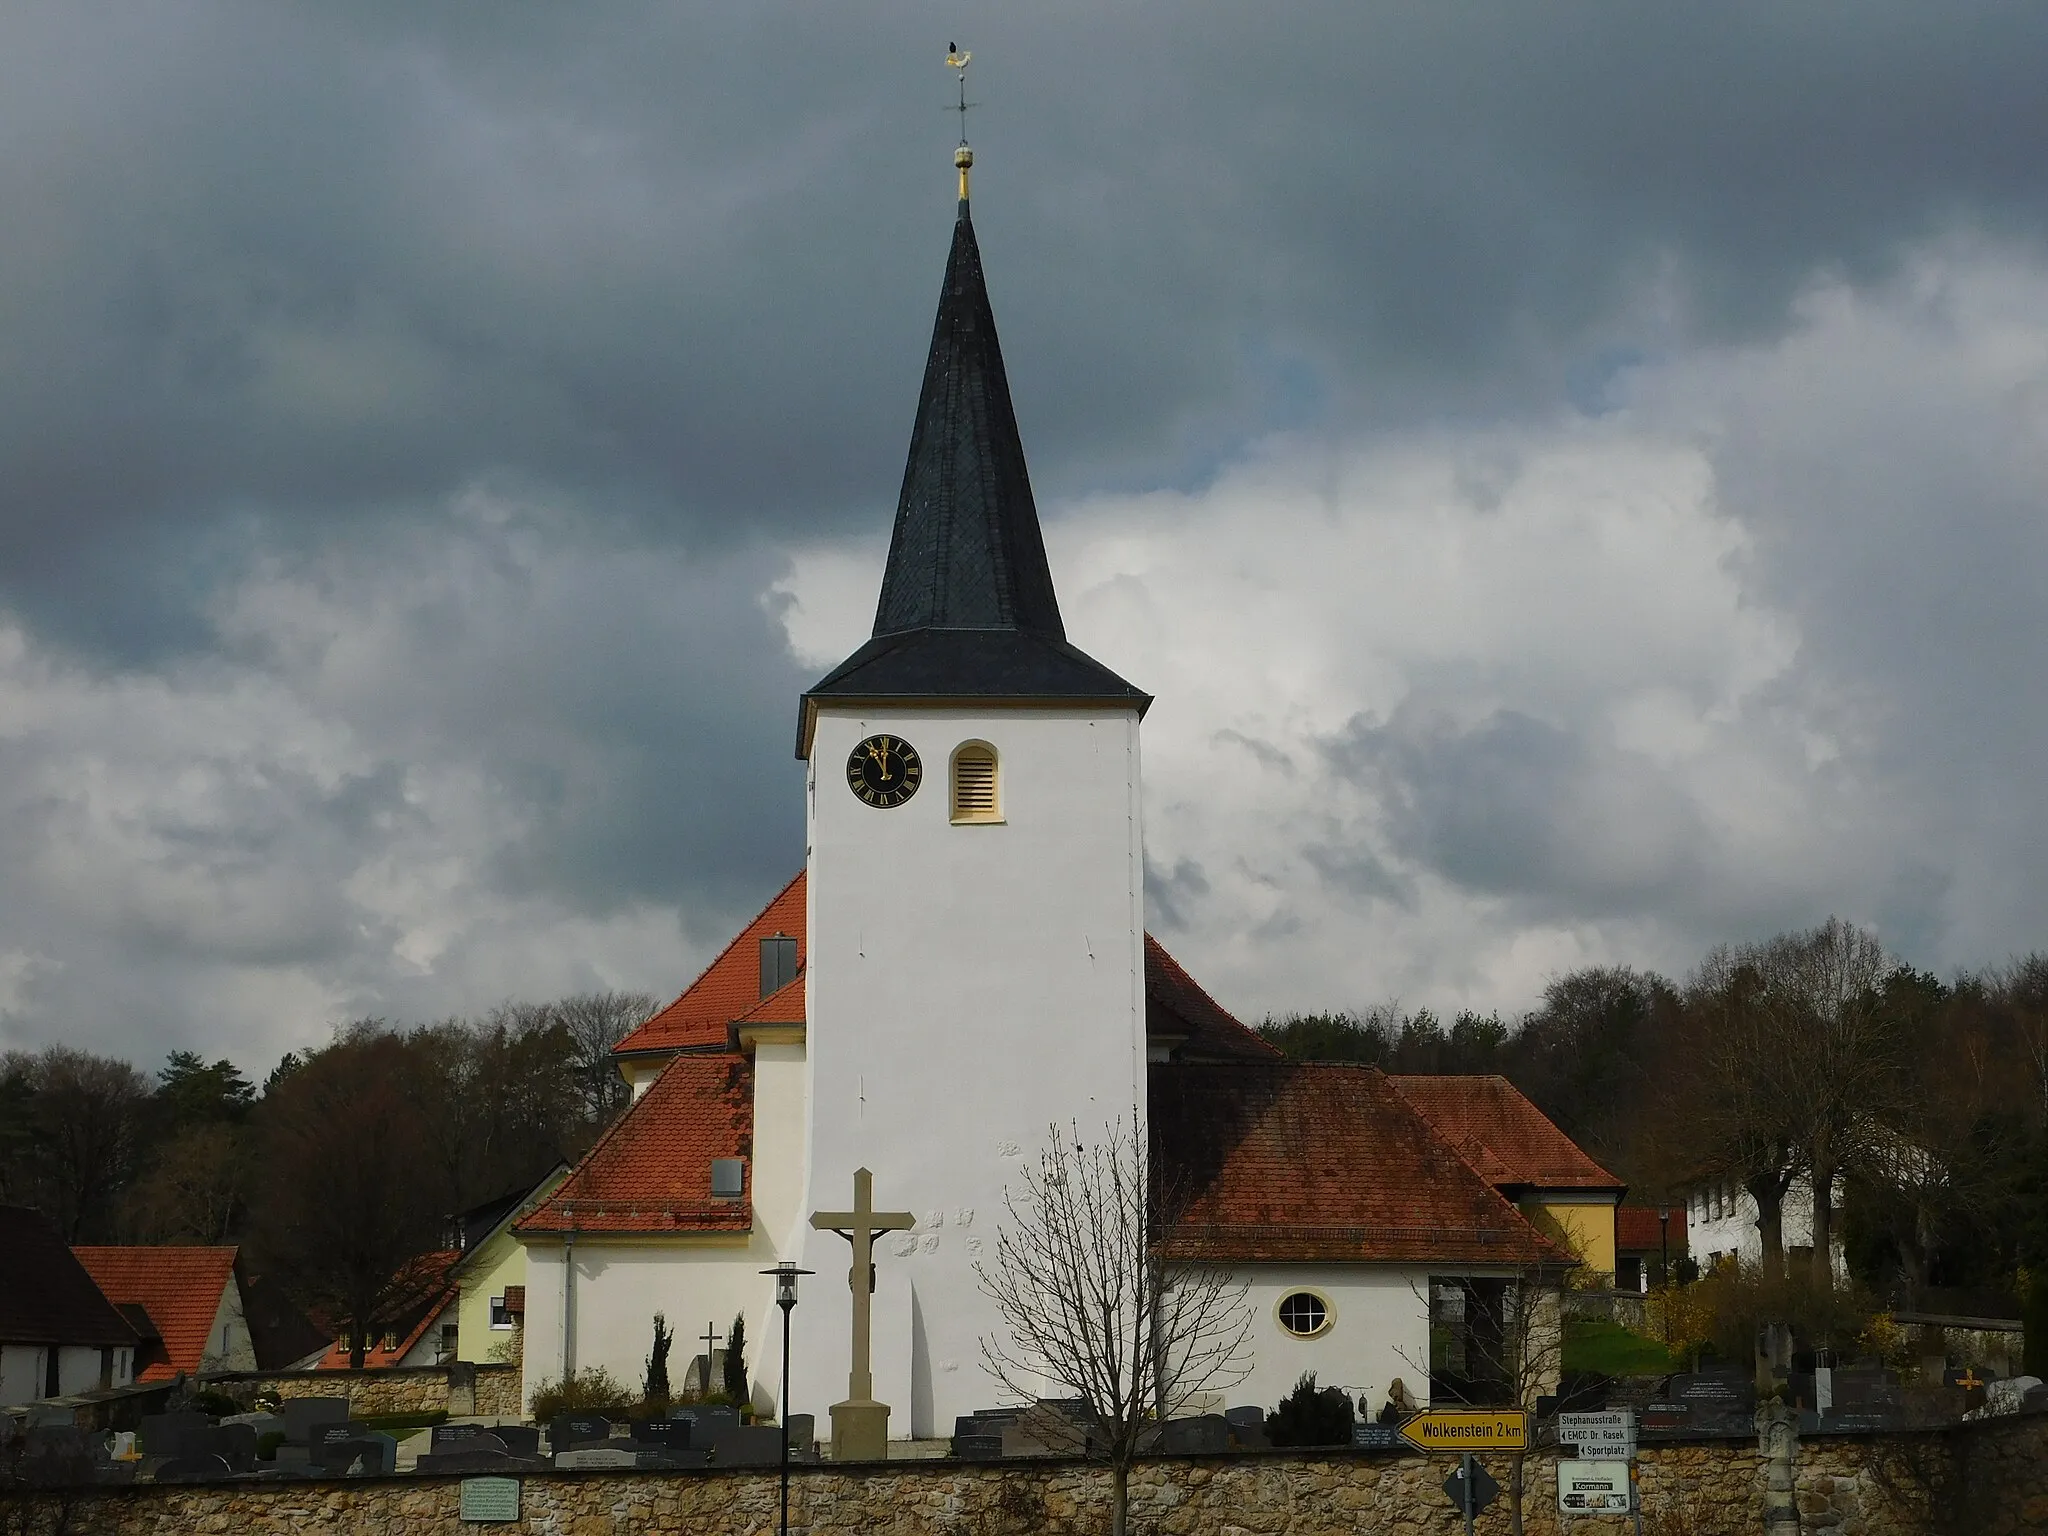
x=976 y=969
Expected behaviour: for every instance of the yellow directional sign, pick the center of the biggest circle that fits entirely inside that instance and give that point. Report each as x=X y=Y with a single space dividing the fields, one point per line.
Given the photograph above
x=1468 y=1429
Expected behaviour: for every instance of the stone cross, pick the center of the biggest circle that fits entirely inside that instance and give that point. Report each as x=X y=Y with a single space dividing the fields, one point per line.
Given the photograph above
x=860 y=1425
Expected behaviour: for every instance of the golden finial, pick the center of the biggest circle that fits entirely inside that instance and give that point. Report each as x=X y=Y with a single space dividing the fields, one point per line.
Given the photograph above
x=963 y=157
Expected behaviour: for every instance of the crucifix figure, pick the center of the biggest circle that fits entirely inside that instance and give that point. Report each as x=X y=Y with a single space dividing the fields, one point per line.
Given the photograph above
x=860 y=1425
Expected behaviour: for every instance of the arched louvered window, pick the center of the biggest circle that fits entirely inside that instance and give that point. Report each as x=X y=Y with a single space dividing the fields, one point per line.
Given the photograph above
x=977 y=789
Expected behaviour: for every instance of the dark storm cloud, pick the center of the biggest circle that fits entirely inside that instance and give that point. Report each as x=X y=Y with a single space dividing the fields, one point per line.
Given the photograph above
x=290 y=291
x=306 y=262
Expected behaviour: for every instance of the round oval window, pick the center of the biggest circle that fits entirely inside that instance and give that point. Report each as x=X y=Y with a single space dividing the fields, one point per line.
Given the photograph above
x=1303 y=1313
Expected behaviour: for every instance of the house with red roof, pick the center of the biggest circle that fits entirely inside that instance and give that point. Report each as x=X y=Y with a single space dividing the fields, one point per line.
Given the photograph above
x=961 y=970
x=186 y=1305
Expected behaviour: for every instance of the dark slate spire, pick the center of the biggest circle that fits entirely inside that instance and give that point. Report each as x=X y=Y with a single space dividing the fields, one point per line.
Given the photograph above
x=967 y=611
x=966 y=553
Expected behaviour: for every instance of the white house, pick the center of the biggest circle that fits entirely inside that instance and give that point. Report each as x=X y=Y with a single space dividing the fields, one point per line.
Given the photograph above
x=961 y=965
x=1721 y=1223
x=58 y=1334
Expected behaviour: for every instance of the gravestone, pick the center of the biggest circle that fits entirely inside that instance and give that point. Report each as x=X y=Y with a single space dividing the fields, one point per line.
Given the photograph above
x=569 y=1430
x=803 y=1434
x=53 y=1416
x=261 y=1423
x=456 y=1437
x=296 y=1460
x=1666 y=1415
x=654 y=1458
x=1374 y=1436
x=1716 y=1399
x=747 y=1445
x=333 y=1434
x=589 y=1456
x=1205 y=1435
x=1245 y=1418
x=172 y=1434
x=303 y=1414
x=235 y=1444
x=671 y=1432
x=712 y=1421
x=977 y=1447
x=366 y=1455
x=193 y=1469
x=519 y=1439
x=474 y=1459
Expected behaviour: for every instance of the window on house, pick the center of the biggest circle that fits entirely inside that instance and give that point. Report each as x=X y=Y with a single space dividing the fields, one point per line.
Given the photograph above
x=501 y=1315
x=976 y=792
x=1304 y=1314
x=728 y=1178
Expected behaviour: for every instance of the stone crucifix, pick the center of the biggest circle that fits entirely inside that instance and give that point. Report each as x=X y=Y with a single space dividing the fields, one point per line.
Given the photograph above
x=860 y=1425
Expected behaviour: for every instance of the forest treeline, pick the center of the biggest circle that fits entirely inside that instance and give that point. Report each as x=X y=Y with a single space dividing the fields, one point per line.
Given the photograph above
x=345 y=1163
x=1815 y=1056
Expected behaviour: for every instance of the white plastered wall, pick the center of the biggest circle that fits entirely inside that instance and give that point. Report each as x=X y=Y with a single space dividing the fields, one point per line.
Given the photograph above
x=621 y=1283
x=1729 y=1225
x=1378 y=1330
x=228 y=1344
x=967 y=988
x=22 y=1368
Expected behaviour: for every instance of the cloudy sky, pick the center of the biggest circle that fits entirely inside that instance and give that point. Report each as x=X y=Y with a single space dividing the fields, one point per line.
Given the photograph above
x=1572 y=474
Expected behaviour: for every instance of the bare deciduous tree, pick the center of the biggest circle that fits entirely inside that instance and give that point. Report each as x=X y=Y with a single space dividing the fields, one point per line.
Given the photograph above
x=1095 y=1304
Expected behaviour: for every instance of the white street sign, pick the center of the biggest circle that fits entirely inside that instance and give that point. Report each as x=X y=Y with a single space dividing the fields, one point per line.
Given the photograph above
x=1599 y=1434
x=1593 y=1488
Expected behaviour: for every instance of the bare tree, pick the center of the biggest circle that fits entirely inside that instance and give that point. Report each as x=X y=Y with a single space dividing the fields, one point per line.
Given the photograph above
x=597 y=1021
x=1095 y=1303
x=1509 y=1335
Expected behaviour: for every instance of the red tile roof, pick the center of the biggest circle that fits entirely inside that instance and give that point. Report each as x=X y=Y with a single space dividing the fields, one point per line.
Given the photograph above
x=730 y=985
x=651 y=1172
x=1637 y=1230
x=1509 y=1140
x=1175 y=1004
x=785 y=1005
x=1322 y=1162
x=422 y=1292
x=180 y=1289
x=46 y=1296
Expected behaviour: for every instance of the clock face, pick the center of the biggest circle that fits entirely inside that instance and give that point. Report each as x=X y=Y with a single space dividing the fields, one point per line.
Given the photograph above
x=884 y=771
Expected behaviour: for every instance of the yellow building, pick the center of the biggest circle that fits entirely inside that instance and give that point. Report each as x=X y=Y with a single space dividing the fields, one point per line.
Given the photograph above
x=1514 y=1146
x=491 y=1275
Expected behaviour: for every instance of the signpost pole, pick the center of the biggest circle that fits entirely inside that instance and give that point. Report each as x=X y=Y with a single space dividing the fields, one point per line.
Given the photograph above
x=1465 y=1477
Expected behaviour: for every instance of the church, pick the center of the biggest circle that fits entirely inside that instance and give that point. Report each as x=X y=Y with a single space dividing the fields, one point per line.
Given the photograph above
x=961 y=965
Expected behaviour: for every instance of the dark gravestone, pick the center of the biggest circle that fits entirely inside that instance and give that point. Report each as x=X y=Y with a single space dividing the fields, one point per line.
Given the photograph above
x=1716 y=1399
x=673 y=1433
x=747 y=1445
x=193 y=1469
x=303 y=1414
x=668 y=1458
x=455 y=1437
x=333 y=1434
x=1199 y=1436
x=712 y=1422
x=1375 y=1436
x=1658 y=1416
x=569 y=1430
x=476 y=1461
x=605 y=1457
x=172 y=1434
x=235 y=1444
x=519 y=1439
x=346 y=1458
x=978 y=1447
x=1245 y=1418
x=803 y=1434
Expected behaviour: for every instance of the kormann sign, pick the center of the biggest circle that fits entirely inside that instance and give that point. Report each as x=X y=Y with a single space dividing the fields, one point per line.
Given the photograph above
x=1593 y=1488
x=1468 y=1429
x=1599 y=1434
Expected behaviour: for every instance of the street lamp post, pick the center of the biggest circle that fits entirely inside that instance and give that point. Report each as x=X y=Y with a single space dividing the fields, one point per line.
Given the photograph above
x=1664 y=1267
x=785 y=1275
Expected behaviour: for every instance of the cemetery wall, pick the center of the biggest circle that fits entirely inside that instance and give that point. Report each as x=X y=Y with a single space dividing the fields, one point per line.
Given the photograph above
x=1986 y=1479
x=393 y=1389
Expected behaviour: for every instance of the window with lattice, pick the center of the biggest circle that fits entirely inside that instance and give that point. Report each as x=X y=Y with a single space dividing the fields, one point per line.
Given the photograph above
x=977 y=789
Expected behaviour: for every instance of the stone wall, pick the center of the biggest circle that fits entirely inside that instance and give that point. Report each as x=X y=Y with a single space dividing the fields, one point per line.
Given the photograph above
x=1986 y=1480
x=460 y=1390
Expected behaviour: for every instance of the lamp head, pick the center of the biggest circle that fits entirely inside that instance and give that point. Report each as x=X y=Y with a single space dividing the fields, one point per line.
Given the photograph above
x=785 y=1275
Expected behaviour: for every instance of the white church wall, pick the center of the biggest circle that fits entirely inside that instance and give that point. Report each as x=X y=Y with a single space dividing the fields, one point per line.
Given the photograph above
x=1378 y=1329
x=967 y=988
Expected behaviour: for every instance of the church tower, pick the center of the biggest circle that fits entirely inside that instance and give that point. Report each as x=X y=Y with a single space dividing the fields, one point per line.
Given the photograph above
x=975 y=972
